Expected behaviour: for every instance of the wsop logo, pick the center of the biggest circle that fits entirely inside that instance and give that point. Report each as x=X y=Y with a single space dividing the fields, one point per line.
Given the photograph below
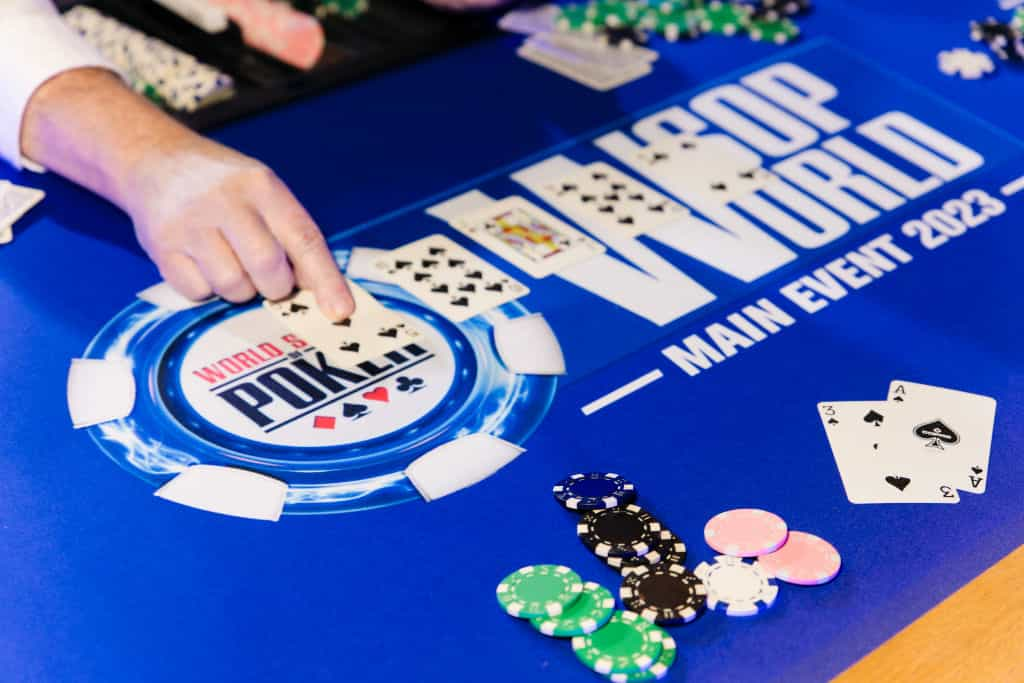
x=228 y=385
x=277 y=389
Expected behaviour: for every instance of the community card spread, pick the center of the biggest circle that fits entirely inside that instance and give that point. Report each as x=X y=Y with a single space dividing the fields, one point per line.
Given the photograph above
x=370 y=332
x=602 y=195
x=450 y=279
x=951 y=428
x=871 y=471
x=528 y=237
x=710 y=168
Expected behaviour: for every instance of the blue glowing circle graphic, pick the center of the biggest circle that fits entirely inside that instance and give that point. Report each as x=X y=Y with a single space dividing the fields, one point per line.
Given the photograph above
x=186 y=367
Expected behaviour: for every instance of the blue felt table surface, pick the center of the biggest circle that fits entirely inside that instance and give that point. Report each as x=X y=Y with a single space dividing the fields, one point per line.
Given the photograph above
x=101 y=582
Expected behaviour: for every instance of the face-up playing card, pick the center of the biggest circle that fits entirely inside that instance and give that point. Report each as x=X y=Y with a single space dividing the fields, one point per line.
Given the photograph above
x=952 y=429
x=871 y=471
x=370 y=332
x=708 y=168
x=528 y=237
x=602 y=195
x=450 y=279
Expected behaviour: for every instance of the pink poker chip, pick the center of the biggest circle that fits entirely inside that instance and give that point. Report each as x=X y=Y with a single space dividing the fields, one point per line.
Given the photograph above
x=805 y=560
x=745 y=532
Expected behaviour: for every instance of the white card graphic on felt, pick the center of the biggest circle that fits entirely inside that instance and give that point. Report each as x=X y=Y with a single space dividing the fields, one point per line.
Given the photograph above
x=602 y=195
x=449 y=278
x=870 y=470
x=370 y=332
x=528 y=237
x=707 y=168
x=953 y=428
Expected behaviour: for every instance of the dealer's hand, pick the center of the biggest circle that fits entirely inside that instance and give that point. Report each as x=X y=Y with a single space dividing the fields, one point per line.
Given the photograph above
x=214 y=221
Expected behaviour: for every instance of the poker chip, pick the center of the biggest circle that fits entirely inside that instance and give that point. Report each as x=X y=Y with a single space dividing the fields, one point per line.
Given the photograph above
x=665 y=593
x=539 y=590
x=594 y=491
x=667 y=548
x=589 y=612
x=657 y=671
x=626 y=644
x=618 y=532
x=745 y=532
x=742 y=588
x=805 y=559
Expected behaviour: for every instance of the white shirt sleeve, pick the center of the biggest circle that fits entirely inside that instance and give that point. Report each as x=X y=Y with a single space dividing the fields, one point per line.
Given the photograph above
x=35 y=46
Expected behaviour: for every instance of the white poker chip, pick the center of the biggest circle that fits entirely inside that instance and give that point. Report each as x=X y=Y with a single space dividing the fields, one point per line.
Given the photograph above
x=743 y=589
x=967 y=64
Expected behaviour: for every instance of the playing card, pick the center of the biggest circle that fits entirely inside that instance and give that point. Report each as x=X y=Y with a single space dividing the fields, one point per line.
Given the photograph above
x=370 y=332
x=596 y=50
x=450 y=279
x=15 y=202
x=528 y=237
x=708 y=168
x=580 y=67
x=953 y=429
x=530 y=20
x=602 y=195
x=871 y=471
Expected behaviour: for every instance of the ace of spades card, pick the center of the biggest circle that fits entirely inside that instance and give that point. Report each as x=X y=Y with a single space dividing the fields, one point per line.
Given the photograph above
x=872 y=471
x=602 y=195
x=528 y=237
x=952 y=429
x=449 y=278
x=371 y=331
x=713 y=169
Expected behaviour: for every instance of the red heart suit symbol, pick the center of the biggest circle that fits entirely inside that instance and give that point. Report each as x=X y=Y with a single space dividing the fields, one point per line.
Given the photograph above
x=378 y=394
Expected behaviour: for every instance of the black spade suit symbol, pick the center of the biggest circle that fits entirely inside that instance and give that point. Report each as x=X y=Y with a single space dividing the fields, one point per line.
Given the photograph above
x=419 y=277
x=900 y=483
x=436 y=251
x=354 y=411
x=347 y=322
x=936 y=433
x=873 y=418
x=440 y=289
x=460 y=301
x=295 y=308
x=388 y=332
x=350 y=346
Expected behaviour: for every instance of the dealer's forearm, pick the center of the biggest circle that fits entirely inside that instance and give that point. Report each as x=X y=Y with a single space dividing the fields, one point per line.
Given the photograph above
x=88 y=127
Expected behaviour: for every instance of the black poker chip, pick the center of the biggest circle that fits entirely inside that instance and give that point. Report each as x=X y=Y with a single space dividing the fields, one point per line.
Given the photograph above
x=667 y=548
x=1005 y=40
x=664 y=594
x=624 y=531
x=594 y=491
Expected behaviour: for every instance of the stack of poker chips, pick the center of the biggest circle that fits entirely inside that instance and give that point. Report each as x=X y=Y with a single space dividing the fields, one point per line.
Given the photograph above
x=278 y=29
x=657 y=589
x=165 y=74
x=763 y=20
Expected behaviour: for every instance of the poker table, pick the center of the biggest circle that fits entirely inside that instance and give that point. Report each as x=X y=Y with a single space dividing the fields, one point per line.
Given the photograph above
x=104 y=582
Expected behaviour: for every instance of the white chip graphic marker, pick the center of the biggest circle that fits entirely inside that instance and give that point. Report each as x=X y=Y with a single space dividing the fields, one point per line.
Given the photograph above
x=459 y=464
x=528 y=346
x=162 y=295
x=99 y=391
x=227 y=491
x=361 y=264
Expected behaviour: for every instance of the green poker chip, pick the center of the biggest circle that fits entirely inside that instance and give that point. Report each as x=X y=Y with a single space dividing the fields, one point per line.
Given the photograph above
x=724 y=19
x=626 y=644
x=539 y=590
x=779 y=32
x=657 y=671
x=590 y=612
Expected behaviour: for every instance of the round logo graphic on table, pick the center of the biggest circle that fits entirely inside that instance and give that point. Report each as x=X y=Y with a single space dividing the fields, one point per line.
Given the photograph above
x=228 y=385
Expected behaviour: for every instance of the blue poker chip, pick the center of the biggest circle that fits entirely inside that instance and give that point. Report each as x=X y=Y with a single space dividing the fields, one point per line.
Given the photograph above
x=594 y=491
